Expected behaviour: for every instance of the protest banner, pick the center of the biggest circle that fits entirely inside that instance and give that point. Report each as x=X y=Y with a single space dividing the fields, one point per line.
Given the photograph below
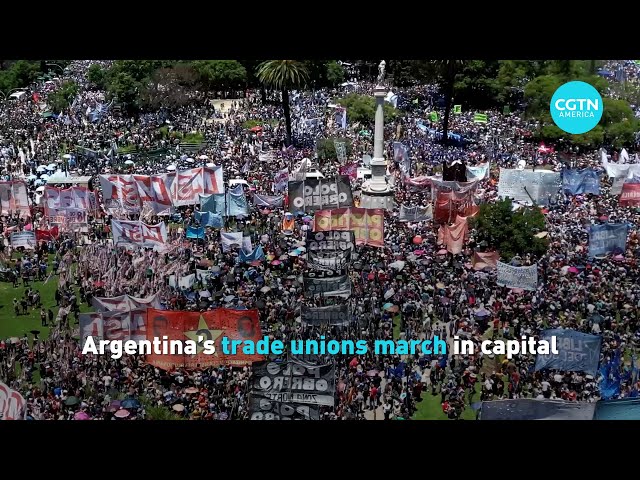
x=319 y=193
x=367 y=224
x=517 y=277
x=577 y=352
x=607 y=238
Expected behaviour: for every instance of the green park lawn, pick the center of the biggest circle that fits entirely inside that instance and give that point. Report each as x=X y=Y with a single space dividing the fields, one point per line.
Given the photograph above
x=16 y=326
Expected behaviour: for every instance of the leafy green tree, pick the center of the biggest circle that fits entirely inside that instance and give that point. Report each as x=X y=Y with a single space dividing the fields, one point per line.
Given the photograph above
x=362 y=109
x=168 y=87
x=620 y=124
x=326 y=149
x=220 y=74
x=24 y=72
x=124 y=88
x=97 y=75
x=538 y=93
x=60 y=99
x=335 y=73
x=283 y=75
x=476 y=84
x=510 y=232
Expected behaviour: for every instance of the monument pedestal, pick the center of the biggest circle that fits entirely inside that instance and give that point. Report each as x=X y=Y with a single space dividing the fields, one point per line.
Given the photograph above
x=378 y=193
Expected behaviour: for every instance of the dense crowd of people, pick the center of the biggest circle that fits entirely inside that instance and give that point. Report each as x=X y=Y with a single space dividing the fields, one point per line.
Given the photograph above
x=435 y=294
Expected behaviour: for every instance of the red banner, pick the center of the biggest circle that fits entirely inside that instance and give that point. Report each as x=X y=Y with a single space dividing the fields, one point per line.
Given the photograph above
x=448 y=205
x=366 y=223
x=453 y=236
x=47 y=235
x=630 y=196
x=211 y=325
x=351 y=170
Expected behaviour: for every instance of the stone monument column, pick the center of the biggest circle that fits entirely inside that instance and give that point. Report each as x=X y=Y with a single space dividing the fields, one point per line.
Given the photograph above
x=377 y=193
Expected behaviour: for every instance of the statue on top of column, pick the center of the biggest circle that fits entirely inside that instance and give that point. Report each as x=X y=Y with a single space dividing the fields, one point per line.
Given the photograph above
x=381 y=69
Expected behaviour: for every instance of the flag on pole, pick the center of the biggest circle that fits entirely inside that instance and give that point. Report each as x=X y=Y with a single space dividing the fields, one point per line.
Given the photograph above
x=416 y=101
x=480 y=118
x=434 y=116
x=457 y=109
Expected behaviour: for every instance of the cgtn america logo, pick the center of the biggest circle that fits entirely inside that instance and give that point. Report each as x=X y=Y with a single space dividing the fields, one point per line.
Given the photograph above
x=576 y=107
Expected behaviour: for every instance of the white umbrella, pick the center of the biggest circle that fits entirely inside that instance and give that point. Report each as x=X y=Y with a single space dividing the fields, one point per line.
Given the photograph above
x=129 y=162
x=32 y=177
x=40 y=189
x=52 y=166
x=203 y=157
x=190 y=160
x=210 y=165
x=41 y=169
x=205 y=294
x=39 y=182
x=44 y=176
x=171 y=168
x=66 y=155
x=398 y=264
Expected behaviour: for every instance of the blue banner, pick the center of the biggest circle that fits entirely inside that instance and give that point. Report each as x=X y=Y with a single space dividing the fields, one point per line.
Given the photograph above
x=626 y=409
x=257 y=254
x=236 y=202
x=580 y=182
x=213 y=203
x=611 y=376
x=193 y=232
x=530 y=409
x=231 y=204
x=577 y=352
x=607 y=238
x=208 y=219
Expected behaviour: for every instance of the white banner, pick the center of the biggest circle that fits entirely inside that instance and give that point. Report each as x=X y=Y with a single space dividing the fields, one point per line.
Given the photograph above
x=526 y=185
x=129 y=325
x=229 y=239
x=479 y=172
x=14 y=198
x=125 y=302
x=518 y=277
x=12 y=404
x=184 y=282
x=24 y=239
x=139 y=234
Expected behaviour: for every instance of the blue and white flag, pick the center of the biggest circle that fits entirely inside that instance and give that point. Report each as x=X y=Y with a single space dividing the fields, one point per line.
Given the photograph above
x=257 y=254
x=577 y=352
x=607 y=238
x=479 y=172
x=341 y=117
x=208 y=219
x=195 y=232
x=581 y=182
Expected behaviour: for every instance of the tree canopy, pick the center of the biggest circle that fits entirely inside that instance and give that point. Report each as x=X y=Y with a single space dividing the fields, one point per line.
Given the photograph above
x=362 y=109
x=510 y=232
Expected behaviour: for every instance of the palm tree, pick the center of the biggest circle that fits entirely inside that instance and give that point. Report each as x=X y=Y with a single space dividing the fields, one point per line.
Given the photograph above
x=448 y=69
x=283 y=75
